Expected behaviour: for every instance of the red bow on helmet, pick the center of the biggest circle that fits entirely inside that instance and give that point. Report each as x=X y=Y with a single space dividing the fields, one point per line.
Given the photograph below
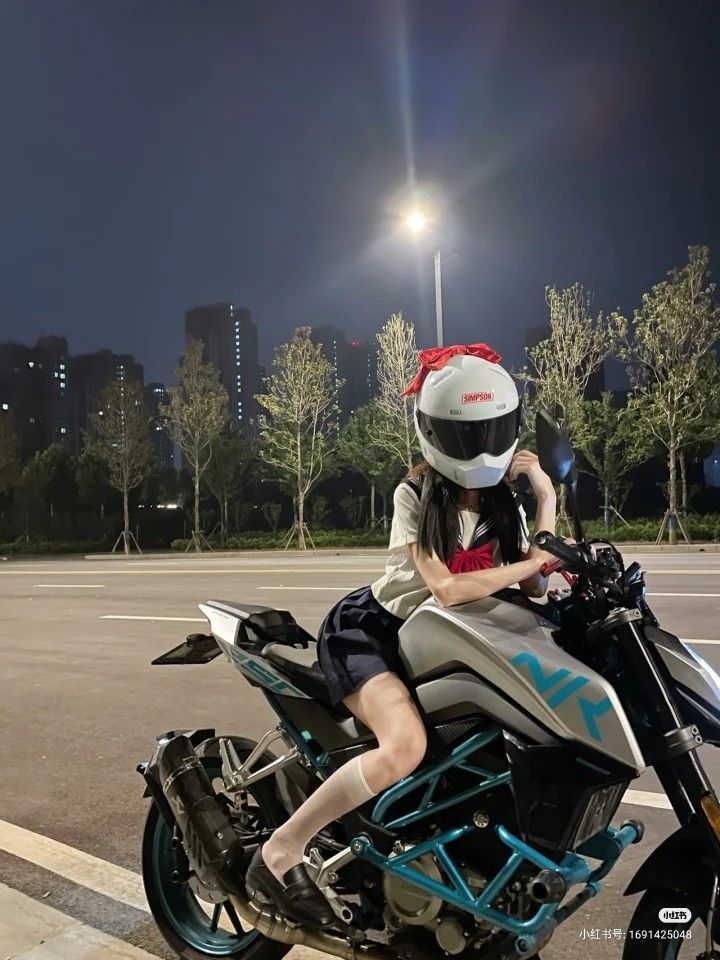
x=436 y=357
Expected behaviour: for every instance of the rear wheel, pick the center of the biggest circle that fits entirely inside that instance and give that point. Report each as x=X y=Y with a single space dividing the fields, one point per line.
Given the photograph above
x=194 y=926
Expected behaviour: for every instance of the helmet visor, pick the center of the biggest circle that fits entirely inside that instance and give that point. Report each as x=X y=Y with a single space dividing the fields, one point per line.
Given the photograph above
x=467 y=439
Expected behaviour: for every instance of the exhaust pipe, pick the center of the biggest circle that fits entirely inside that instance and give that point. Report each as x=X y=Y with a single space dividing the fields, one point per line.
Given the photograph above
x=215 y=851
x=217 y=855
x=277 y=928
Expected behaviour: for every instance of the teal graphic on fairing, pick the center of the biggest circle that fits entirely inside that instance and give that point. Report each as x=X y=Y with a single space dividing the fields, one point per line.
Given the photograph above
x=590 y=710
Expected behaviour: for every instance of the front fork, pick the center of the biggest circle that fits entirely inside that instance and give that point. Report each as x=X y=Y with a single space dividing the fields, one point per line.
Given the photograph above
x=674 y=755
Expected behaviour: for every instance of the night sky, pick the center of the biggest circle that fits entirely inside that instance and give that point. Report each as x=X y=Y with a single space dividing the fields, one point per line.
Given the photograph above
x=160 y=154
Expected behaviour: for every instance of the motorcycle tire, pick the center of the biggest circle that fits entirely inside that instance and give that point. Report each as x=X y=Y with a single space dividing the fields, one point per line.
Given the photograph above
x=193 y=929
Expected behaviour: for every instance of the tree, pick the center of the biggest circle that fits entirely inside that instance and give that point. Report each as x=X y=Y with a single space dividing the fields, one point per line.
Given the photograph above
x=92 y=478
x=194 y=415
x=352 y=506
x=360 y=449
x=271 y=512
x=9 y=453
x=47 y=484
x=122 y=432
x=559 y=368
x=397 y=365
x=612 y=443
x=297 y=429
x=230 y=463
x=319 y=511
x=672 y=363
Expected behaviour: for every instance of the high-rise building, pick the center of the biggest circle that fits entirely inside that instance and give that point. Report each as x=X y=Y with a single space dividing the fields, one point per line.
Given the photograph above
x=362 y=385
x=354 y=363
x=230 y=339
x=34 y=387
x=332 y=340
x=164 y=449
x=90 y=373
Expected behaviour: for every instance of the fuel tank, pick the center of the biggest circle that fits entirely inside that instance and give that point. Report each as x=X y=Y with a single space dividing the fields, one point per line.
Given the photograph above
x=510 y=648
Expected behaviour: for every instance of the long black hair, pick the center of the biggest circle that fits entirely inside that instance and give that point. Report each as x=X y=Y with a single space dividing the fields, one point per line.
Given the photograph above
x=439 y=523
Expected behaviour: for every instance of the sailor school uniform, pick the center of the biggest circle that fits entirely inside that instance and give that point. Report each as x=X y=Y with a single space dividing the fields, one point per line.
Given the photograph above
x=359 y=637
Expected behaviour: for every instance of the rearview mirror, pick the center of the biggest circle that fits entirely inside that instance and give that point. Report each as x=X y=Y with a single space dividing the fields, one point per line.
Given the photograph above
x=554 y=451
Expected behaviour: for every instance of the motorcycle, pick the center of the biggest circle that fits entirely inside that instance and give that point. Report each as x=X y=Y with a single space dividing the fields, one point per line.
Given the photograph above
x=539 y=717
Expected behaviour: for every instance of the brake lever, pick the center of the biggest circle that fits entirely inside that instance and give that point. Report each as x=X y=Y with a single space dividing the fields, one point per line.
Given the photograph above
x=553 y=566
x=573 y=556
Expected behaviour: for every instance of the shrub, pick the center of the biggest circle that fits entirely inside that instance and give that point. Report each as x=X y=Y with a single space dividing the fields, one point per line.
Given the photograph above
x=49 y=547
x=264 y=540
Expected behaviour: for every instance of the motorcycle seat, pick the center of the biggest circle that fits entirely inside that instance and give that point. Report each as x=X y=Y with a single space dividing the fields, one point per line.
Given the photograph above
x=300 y=666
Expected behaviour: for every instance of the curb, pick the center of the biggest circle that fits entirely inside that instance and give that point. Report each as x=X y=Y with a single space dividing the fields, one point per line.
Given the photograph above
x=230 y=554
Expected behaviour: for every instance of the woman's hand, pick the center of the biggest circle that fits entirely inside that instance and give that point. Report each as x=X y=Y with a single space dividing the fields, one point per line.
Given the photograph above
x=525 y=461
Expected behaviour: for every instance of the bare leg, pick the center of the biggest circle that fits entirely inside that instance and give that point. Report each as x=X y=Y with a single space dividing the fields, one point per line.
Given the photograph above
x=384 y=705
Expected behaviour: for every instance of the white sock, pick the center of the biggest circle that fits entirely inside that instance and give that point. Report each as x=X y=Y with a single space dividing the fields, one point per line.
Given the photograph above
x=342 y=792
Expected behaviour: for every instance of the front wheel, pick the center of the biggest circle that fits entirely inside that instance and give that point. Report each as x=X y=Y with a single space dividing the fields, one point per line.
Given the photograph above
x=193 y=926
x=648 y=938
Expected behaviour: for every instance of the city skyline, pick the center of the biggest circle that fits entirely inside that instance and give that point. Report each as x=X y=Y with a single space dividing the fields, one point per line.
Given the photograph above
x=52 y=392
x=565 y=144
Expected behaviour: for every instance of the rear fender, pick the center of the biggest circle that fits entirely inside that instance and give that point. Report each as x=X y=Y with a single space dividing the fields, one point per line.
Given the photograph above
x=677 y=864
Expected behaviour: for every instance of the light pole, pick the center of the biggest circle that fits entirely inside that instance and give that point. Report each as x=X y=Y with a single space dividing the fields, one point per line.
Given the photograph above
x=416 y=222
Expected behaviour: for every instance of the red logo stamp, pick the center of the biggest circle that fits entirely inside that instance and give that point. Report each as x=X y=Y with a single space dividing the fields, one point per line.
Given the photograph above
x=480 y=396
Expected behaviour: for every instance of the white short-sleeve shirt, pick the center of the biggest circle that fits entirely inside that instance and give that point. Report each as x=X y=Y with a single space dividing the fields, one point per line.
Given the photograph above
x=401 y=588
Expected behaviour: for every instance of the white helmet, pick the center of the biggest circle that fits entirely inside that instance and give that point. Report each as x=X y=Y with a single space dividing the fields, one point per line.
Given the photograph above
x=467 y=418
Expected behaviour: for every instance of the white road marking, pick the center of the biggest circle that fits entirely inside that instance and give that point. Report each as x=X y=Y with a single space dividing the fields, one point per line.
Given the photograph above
x=644 y=798
x=683 y=594
x=293 y=587
x=72 y=586
x=33 y=930
x=93 y=874
x=676 y=572
x=118 y=616
x=75 y=865
x=706 y=642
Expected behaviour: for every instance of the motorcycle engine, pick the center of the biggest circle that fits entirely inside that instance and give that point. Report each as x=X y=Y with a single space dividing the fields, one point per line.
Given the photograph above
x=409 y=906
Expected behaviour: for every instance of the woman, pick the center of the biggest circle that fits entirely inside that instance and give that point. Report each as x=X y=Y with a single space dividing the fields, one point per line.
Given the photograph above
x=458 y=535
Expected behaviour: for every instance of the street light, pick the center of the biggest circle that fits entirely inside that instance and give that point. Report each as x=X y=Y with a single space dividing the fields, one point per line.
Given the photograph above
x=416 y=222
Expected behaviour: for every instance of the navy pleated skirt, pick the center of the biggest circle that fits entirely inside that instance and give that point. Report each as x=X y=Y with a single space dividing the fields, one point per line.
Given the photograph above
x=358 y=640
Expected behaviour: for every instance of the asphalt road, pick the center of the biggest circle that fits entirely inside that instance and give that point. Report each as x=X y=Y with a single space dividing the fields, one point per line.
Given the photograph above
x=80 y=707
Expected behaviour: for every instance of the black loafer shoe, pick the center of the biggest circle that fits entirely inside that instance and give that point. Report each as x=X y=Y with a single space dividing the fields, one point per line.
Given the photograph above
x=297 y=897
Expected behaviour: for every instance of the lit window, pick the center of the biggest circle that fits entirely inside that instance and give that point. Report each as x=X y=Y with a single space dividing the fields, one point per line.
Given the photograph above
x=63 y=429
x=6 y=406
x=31 y=363
x=62 y=376
x=62 y=366
x=32 y=420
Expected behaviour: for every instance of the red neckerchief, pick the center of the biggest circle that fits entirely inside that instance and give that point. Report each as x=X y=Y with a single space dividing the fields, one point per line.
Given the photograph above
x=465 y=561
x=479 y=554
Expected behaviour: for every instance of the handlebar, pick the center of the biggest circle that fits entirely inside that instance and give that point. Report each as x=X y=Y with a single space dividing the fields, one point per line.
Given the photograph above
x=574 y=559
